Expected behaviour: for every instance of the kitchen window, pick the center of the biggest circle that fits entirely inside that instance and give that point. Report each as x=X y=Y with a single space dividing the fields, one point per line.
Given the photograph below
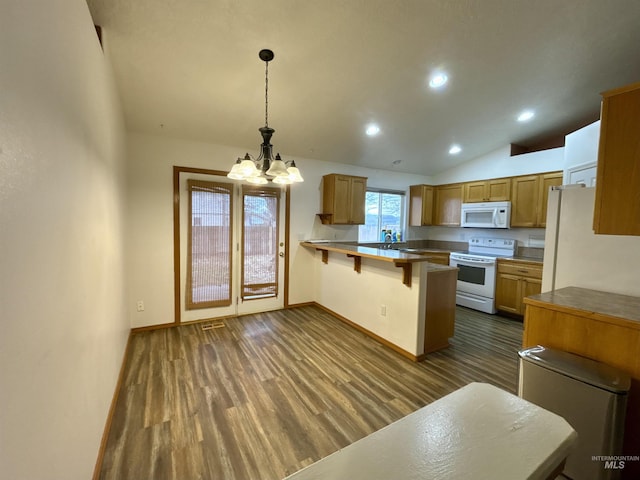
x=384 y=210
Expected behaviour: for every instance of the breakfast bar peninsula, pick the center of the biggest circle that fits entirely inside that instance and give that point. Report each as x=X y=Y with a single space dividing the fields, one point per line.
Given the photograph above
x=399 y=298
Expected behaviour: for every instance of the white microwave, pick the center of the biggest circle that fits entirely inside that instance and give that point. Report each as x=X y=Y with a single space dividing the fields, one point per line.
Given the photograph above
x=486 y=215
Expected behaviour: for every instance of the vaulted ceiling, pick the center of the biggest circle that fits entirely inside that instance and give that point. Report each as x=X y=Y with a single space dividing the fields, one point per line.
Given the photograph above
x=190 y=69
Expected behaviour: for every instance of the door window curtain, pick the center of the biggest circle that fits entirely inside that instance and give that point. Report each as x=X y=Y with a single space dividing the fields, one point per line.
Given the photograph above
x=260 y=224
x=209 y=245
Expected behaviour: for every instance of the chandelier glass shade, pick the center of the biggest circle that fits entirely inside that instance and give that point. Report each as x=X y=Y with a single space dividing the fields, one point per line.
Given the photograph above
x=266 y=167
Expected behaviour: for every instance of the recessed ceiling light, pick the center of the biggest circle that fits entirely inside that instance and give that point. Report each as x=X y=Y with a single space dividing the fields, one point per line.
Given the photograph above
x=372 y=130
x=455 y=149
x=438 y=80
x=526 y=115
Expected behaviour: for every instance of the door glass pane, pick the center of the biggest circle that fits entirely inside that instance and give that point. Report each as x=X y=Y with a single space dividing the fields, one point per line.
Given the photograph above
x=209 y=247
x=260 y=242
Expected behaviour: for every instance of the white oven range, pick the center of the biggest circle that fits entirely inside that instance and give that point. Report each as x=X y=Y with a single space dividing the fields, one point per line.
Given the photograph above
x=476 y=285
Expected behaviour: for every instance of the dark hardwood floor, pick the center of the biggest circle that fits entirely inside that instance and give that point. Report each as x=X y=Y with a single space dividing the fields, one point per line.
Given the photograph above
x=271 y=393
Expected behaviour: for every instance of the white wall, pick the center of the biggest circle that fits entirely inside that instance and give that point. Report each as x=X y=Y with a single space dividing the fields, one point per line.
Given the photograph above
x=499 y=163
x=63 y=327
x=359 y=296
x=306 y=202
x=150 y=221
x=149 y=239
x=581 y=146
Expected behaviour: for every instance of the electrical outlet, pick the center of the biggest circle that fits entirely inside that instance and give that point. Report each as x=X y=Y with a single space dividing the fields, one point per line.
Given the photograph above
x=383 y=310
x=140 y=306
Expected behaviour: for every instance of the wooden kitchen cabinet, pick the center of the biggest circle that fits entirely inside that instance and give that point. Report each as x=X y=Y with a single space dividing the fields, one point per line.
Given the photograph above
x=441 y=258
x=420 y=205
x=343 y=199
x=547 y=180
x=494 y=190
x=617 y=206
x=602 y=326
x=525 y=191
x=448 y=201
x=529 y=194
x=440 y=205
x=440 y=312
x=515 y=281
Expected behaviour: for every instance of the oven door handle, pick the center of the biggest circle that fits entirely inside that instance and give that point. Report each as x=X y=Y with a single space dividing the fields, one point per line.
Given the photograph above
x=468 y=263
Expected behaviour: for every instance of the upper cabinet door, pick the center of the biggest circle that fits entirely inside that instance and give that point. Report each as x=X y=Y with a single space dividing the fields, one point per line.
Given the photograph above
x=475 y=192
x=529 y=194
x=357 y=200
x=547 y=181
x=499 y=190
x=525 y=192
x=420 y=205
x=448 y=203
x=343 y=199
x=617 y=207
x=495 y=190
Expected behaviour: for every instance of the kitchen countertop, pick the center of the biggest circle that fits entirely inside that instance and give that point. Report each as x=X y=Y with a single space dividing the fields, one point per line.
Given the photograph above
x=402 y=255
x=383 y=254
x=395 y=246
x=421 y=250
x=522 y=258
x=594 y=303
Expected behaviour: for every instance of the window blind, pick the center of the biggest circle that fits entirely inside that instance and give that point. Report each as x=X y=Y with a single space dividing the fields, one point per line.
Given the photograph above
x=209 y=272
x=260 y=224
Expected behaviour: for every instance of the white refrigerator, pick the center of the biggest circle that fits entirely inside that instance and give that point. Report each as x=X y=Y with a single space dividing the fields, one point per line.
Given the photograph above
x=575 y=256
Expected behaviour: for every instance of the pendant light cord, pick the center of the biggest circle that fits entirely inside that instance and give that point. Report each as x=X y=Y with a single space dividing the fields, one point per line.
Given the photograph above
x=266 y=94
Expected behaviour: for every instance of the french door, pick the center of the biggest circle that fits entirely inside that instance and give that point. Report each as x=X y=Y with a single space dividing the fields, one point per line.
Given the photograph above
x=231 y=247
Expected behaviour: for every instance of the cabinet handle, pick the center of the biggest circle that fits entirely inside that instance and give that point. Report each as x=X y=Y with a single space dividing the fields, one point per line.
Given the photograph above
x=523 y=271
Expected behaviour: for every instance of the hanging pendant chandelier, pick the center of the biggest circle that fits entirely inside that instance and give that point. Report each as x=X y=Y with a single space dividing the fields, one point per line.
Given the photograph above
x=266 y=167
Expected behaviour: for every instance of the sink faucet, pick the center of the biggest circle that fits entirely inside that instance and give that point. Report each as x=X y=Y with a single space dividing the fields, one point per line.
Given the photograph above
x=387 y=241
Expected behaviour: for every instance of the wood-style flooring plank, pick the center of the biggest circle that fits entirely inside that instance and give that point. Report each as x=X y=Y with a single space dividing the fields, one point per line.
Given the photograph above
x=273 y=392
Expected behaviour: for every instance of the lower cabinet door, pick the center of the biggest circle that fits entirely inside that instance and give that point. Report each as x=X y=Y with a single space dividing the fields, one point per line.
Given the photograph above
x=508 y=293
x=530 y=286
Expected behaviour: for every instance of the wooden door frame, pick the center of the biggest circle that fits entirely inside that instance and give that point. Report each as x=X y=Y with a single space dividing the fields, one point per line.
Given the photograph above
x=177 y=170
